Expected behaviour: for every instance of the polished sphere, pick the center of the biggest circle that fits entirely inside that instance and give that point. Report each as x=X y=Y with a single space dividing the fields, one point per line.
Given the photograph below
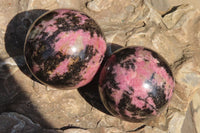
x=64 y=48
x=135 y=84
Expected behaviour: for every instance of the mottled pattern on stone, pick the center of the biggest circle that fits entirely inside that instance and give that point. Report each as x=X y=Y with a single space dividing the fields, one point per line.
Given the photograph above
x=64 y=48
x=135 y=84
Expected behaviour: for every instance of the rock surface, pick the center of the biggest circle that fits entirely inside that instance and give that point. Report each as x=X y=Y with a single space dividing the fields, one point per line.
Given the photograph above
x=15 y=123
x=171 y=28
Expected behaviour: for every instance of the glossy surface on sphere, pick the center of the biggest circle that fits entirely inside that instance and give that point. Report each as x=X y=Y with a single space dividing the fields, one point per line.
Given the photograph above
x=135 y=84
x=64 y=48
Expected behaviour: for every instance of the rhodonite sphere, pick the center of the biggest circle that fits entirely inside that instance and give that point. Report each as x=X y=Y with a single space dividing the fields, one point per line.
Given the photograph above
x=135 y=84
x=64 y=48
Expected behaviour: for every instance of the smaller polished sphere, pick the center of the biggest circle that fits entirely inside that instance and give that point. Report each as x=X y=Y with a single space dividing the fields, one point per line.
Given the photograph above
x=135 y=84
x=64 y=48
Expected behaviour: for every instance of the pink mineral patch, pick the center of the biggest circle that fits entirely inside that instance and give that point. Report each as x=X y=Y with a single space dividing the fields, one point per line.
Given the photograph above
x=65 y=41
x=61 y=14
x=51 y=29
x=60 y=69
x=36 y=68
x=80 y=40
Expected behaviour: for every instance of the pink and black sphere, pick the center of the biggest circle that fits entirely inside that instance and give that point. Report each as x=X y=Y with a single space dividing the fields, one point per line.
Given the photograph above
x=135 y=84
x=64 y=48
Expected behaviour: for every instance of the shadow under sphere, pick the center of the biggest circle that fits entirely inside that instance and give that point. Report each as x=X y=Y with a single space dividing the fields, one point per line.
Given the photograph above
x=14 y=44
x=90 y=92
x=16 y=34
